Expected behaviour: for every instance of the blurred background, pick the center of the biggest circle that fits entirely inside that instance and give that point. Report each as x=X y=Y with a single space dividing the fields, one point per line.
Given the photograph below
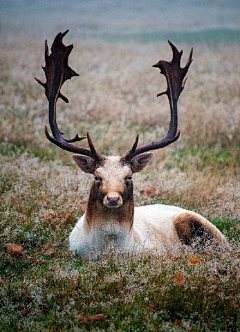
x=142 y=20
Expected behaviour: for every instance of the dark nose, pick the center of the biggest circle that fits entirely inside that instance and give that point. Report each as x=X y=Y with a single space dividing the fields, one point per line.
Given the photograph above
x=113 y=200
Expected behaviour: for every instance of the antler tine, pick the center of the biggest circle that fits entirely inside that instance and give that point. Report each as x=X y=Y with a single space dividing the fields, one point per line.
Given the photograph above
x=96 y=156
x=189 y=61
x=176 y=54
x=57 y=71
x=175 y=76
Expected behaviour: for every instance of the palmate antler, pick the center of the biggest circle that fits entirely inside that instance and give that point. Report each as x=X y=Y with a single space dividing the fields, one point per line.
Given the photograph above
x=175 y=76
x=57 y=72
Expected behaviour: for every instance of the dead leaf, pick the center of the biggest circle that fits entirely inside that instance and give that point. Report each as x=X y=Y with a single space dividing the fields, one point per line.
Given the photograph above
x=213 y=280
x=178 y=322
x=90 y=319
x=234 y=304
x=2 y=282
x=211 y=254
x=47 y=250
x=194 y=260
x=52 y=217
x=25 y=311
x=55 y=227
x=179 y=278
x=15 y=250
x=211 y=292
x=173 y=258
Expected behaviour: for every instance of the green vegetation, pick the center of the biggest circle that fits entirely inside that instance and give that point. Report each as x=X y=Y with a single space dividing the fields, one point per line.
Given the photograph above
x=217 y=158
x=41 y=293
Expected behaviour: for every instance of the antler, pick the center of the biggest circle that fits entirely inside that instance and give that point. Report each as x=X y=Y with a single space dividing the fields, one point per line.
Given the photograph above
x=57 y=72
x=176 y=80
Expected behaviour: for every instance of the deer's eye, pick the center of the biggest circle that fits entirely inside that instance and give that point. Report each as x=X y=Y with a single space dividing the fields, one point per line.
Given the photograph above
x=97 y=179
x=128 y=178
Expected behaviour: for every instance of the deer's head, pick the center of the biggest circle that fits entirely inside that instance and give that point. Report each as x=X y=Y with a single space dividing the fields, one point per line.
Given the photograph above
x=112 y=175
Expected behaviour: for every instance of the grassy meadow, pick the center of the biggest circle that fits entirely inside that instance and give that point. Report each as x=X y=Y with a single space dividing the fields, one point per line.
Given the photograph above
x=45 y=287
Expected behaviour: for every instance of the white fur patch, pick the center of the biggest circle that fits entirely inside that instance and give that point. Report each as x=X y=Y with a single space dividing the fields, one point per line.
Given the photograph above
x=113 y=174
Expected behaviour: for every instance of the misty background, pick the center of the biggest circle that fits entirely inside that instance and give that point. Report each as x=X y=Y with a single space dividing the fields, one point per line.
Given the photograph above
x=126 y=20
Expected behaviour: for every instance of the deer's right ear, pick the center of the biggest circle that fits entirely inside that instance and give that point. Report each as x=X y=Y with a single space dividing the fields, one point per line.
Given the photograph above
x=139 y=162
x=86 y=164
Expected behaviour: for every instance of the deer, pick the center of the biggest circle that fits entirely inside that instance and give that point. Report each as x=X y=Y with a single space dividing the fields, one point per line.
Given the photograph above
x=111 y=218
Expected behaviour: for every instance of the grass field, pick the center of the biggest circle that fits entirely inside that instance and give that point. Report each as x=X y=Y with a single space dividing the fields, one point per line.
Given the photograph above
x=45 y=287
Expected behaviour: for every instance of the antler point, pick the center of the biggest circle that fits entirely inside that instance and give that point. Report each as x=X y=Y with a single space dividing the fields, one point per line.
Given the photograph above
x=162 y=93
x=64 y=33
x=40 y=82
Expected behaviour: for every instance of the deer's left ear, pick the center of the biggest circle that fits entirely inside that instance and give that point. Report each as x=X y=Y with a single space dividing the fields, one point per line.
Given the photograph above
x=139 y=162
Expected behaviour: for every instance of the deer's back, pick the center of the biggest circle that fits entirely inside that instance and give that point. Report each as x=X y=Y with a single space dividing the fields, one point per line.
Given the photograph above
x=163 y=226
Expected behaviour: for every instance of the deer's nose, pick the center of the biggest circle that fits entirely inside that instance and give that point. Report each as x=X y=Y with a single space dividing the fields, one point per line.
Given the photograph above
x=113 y=200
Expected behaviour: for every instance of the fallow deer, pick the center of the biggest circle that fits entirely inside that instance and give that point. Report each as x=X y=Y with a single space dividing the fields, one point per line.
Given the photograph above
x=111 y=218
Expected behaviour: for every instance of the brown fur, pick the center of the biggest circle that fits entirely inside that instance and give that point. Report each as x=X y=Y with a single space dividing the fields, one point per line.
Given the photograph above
x=190 y=227
x=97 y=211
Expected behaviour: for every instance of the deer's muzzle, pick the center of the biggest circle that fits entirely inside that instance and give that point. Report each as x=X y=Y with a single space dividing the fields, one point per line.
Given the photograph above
x=112 y=200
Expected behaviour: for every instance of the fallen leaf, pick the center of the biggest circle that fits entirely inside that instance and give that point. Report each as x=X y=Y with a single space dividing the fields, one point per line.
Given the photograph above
x=213 y=280
x=90 y=319
x=172 y=257
x=15 y=250
x=234 y=304
x=47 y=250
x=56 y=227
x=211 y=254
x=178 y=322
x=52 y=217
x=211 y=292
x=179 y=278
x=194 y=260
x=25 y=311
x=2 y=282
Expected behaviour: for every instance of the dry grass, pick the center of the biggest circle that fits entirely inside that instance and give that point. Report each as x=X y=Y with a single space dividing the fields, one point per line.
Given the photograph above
x=115 y=97
x=42 y=194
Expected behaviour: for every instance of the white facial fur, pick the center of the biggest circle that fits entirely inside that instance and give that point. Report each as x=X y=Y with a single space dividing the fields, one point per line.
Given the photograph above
x=112 y=177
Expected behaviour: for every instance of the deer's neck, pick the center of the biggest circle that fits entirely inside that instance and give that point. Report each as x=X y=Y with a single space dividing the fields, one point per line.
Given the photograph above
x=111 y=221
